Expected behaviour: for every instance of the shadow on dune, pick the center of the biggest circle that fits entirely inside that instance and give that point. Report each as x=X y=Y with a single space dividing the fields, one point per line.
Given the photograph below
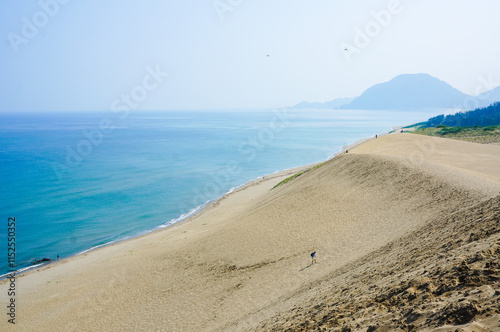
x=308 y=266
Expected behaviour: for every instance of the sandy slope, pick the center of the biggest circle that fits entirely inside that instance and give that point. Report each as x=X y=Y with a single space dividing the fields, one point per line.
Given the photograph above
x=378 y=217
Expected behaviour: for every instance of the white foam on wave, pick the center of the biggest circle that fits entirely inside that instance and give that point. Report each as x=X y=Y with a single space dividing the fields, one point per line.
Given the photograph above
x=185 y=215
x=99 y=246
x=24 y=269
x=202 y=206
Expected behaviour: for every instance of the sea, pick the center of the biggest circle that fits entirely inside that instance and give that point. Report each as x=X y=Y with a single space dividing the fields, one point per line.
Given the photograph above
x=76 y=181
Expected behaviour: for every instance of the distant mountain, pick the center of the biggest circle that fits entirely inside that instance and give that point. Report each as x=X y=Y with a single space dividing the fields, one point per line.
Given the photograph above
x=329 y=104
x=409 y=91
x=489 y=97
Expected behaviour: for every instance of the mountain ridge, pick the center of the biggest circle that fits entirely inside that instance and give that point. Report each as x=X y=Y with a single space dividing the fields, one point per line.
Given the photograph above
x=410 y=91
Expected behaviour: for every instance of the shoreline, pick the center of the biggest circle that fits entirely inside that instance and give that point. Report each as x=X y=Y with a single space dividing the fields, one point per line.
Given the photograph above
x=243 y=262
x=199 y=211
x=192 y=214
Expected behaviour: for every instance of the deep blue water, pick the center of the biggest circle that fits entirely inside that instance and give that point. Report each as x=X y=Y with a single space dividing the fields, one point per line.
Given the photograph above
x=74 y=181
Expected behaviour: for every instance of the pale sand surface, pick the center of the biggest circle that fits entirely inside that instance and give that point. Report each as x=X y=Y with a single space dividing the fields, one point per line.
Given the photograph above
x=244 y=264
x=479 y=159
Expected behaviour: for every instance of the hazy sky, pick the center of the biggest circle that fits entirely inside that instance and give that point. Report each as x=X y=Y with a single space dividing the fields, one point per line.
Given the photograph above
x=210 y=54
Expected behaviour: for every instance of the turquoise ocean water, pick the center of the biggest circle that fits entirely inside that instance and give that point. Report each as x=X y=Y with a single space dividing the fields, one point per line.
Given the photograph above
x=75 y=181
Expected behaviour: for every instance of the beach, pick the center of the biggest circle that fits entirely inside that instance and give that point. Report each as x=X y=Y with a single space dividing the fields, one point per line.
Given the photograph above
x=406 y=230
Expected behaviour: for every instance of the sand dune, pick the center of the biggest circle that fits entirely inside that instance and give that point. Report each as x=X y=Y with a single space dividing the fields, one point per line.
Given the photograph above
x=405 y=227
x=444 y=276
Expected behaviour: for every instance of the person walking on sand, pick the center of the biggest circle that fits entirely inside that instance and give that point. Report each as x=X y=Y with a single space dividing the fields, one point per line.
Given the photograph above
x=313 y=256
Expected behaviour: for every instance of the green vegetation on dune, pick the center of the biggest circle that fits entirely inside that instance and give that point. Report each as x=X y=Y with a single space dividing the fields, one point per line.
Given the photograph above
x=490 y=134
x=481 y=125
x=484 y=117
x=298 y=174
x=288 y=179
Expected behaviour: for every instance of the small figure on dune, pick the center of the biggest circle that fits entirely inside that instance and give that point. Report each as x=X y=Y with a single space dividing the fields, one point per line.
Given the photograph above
x=376 y=136
x=346 y=151
x=313 y=256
